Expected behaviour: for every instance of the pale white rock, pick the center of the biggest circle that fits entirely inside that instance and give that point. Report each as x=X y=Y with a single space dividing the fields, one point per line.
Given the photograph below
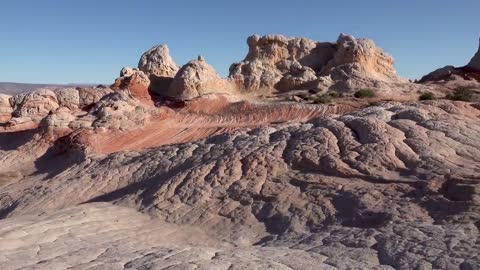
x=266 y=62
x=119 y=111
x=295 y=76
x=60 y=119
x=277 y=62
x=359 y=63
x=89 y=96
x=68 y=97
x=5 y=108
x=158 y=62
x=35 y=105
x=198 y=78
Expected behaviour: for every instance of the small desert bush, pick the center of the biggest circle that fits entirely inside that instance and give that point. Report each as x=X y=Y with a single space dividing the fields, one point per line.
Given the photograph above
x=461 y=94
x=364 y=93
x=335 y=94
x=373 y=103
x=323 y=99
x=427 y=96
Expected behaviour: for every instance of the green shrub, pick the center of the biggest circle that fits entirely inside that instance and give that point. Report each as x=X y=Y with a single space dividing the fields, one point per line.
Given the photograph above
x=373 y=103
x=364 y=93
x=335 y=95
x=462 y=94
x=323 y=99
x=427 y=96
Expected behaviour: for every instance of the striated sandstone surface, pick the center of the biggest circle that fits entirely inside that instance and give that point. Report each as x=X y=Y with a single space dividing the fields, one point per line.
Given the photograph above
x=387 y=187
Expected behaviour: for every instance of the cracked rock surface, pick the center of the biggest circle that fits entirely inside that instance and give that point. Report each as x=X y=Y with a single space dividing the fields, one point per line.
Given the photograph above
x=387 y=187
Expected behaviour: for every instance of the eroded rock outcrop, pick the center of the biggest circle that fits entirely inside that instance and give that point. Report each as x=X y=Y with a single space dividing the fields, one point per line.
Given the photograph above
x=5 y=108
x=272 y=57
x=136 y=82
x=90 y=96
x=35 y=105
x=278 y=62
x=160 y=68
x=118 y=111
x=69 y=97
x=359 y=63
x=198 y=78
x=154 y=75
x=157 y=61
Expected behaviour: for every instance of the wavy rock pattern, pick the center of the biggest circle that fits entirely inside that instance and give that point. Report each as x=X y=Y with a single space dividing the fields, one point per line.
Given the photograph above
x=385 y=187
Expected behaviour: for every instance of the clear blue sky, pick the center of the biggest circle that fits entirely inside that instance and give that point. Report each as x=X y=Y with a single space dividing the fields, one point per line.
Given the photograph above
x=88 y=41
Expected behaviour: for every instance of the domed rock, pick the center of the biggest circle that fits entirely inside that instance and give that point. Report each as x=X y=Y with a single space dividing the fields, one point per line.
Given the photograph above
x=197 y=78
x=157 y=61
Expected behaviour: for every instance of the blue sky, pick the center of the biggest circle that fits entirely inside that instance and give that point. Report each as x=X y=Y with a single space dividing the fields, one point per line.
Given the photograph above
x=65 y=41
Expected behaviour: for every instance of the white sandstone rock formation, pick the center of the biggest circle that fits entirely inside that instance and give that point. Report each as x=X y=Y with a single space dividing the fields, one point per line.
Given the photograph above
x=198 y=78
x=5 y=108
x=278 y=62
x=158 y=62
x=270 y=57
x=359 y=63
x=35 y=105
x=69 y=97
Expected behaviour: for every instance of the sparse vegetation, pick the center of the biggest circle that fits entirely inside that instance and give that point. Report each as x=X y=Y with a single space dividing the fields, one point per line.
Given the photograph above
x=323 y=99
x=335 y=95
x=364 y=93
x=427 y=96
x=461 y=94
x=373 y=103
